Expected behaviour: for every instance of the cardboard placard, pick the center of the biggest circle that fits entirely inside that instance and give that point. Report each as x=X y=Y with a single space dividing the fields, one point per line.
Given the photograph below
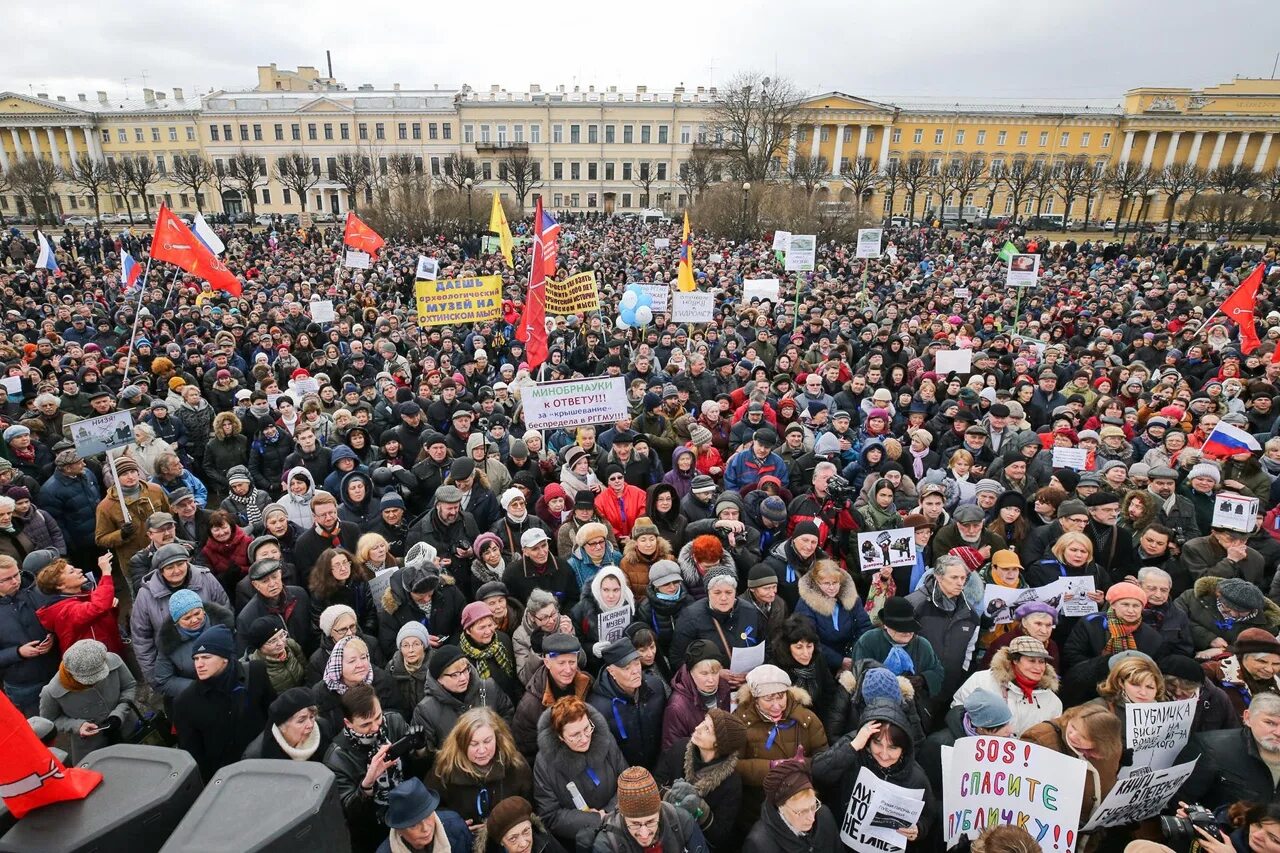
x=802 y=253
x=880 y=548
x=954 y=361
x=869 y=242
x=356 y=260
x=103 y=433
x=661 y=295
x=1023 y=271
x=1235 y=512
x=761 y=288
x=661 y=242
x=575 y=402
x=322 y=311
x=577 y=294
x=611 y=624
x=875 y=811
x=695 y=307
x=781 y=240
x=1075 y=458
x=1139 y=795
x=428 y=268
x=448 y=301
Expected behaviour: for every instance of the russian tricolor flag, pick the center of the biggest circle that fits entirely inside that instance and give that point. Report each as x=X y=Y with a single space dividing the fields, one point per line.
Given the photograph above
x=46 y=260
x=1228 y=440
x=130 y=270
x=204 y=233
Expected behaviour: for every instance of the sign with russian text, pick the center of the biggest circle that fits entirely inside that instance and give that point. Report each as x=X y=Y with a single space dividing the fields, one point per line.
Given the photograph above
x=876 y=810
x=1075 y=458
x=613 y=623
x=103 y=433
x=761 y=288
x=322 y=311
x=1157 y=731
x=661 y=296
x=781 y=240
x=574 y=402
x=356 y=260
x=802 y=253
x=869 y=242
x=458 y=300
x=695 y=307
x=881 y=548
x=1142 y=794
x=577 y=294
x=1023 y=271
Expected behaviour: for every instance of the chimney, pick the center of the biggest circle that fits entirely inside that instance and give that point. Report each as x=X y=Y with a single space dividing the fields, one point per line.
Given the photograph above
x=701 y=90
x=679 y=94
x=177 y=95
x=44 y=96
x=160 y=95
x=81 y=97
x=713 y=91
x=62 y=98
x=494 y=88
x=534 y=89
x=613 y=90
x=591 y=88
x=149 y=96
x=102 y=97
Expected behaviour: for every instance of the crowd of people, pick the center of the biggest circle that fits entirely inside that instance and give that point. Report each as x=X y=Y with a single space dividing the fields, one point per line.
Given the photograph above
x=340 y=543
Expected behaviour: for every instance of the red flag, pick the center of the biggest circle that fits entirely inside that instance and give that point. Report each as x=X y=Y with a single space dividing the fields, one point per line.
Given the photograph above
x=30 y=777
x=1238 y=308
x=357 y=235
x=175 y=244
x=533 y=323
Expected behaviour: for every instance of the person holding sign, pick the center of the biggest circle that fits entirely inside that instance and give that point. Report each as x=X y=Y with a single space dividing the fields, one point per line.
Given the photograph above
x=631 y=700
x=794 y=820
x=1252 y=668
x=1093 y=734
x=605 y=597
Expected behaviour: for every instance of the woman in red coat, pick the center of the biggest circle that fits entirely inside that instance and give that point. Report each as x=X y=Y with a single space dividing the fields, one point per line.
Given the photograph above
x=73 y=608
x=227 y=551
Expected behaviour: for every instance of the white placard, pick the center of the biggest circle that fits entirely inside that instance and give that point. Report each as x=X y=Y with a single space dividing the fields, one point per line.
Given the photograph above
x=356 y=260
x=1075 y=599
x=715 y=258
x=322 y=311
x=1157 y=731
x=12 y=384
x=874 y=812
x=1023 y=271
x=694 y=307
x=1235 y=512
x=103 y=433
x=303 y=386
x=869 y=242
x=961 y=293
x=746 y=658
x=661 y=295
x=781 y=240
x=612 y=624
x=802 y=253
x=999 y=603
x=761 y=288
x=1075 y=458
x=574 y=402
x=428 y=268
x=954 y=361
x=661 y=242
x=881 y=548
x=1139 y=795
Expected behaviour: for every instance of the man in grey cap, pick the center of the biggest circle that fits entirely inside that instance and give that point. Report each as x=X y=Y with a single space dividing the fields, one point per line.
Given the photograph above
x=191 y=519
x=449 y=529
x=1176 y=511
x=171 y=570
x=273 y=597
x=967 y=527
x=560 y=675
x=161 y=530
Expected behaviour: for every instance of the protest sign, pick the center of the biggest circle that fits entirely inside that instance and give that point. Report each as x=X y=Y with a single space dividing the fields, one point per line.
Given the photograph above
x=103 y=433
x=574 y=402
x=999 y=603
x=961 y=293
x=954 y=360
x=612 y=623
x=761 y=288
x=781 y=240
x=1157 y=731
x=1138 y=796
x=715 y=258
x=1075 y=601
x=802 y=253
x=881 y=548
x=356 y=260
x=1001 y=781
x=322 y=311
x=661 y=294
x=1076 y=458
x=695 y=307
x=869 y=242
x=427 y=267
x=12 y=384
x=577 y=294
x=458 y=300
x=303 y=386
x=1023 y=270
x=1235 y=512
x=661 y=242
x=876 y=811
x=746 y=658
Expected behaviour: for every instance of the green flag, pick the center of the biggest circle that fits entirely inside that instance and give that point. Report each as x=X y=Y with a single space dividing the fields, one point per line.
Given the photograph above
x=1007 y=251
x=644 y=249
x=780 y=255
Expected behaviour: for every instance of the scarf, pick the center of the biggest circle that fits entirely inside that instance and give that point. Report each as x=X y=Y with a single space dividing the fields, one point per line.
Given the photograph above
x=1119 y=635
x=439 y=841
x=131 y=493
x=302 y=752
x=487 y=658
x=334 y=536
x=333 y=669
x=68 y=681
x=26 y=454
x=1026 y=685
x=251 y=510
x=917 y=462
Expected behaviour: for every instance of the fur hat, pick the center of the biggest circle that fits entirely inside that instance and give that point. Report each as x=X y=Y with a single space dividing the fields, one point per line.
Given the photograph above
x=731 y=732
x=767 y=679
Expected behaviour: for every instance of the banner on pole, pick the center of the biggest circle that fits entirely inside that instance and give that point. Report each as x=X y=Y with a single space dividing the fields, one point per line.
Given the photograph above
x=103 y=433
x=696 y=307
x=577 y=294
x=356 y=260
x=869 y=242
x=661 y=295
x=458 y=300
x=1023 y=271
x=574 y=402
x=802 y=253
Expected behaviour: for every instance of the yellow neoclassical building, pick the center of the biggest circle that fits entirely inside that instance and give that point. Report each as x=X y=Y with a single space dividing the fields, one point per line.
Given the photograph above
x=607 y=150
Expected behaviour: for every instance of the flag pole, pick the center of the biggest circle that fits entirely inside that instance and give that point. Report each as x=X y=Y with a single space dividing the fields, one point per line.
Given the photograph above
x=1017 y=311
x=137 y=316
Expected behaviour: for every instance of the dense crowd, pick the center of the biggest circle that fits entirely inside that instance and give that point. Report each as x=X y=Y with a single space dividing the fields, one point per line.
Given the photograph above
x=339 y=543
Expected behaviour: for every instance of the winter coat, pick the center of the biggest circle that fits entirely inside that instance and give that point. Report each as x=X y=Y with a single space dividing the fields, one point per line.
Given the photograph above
x=677 y=831
x=297 y=507
x=412 y=684
x=216 y=721
x=151 y=611
x=620 y=512
x=316 y=662
x=685 y=708
x=953 y=634
x=799 y=735
x=1207 y=623
x=557 y=765
x=557 y=578
x=876 y=645
x=717 y=783
x=1173 y=626
x=1226 y=673
x=742 y=626
x=348 y=760
x=293 y=608
x=1044 y=704
x=788 y=567
x=634 y=721
x=1084 y=664
x=439 y=709
x=1205 y=557
x=329 y=702
x=238 y=506
x=72 y=501
x=585 y=614
x=1098 y=782
x=172 y=670
x=19 y=625
x=70 y=709
x=446 y=539
x=636 y=566
x=364 y=514
x=43 y=531
x=839 y=622
x=397 y=609
x=82 y=616
x=109 y=520
x=265 y=745
x=1229 y=769
x=473 y=799
x=537 y=698
x=354 y=594
x=772 y=834
x=661 y=616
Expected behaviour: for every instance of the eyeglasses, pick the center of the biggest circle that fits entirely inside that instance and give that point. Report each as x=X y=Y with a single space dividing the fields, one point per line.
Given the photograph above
x=579 y=736
x=550 y=616
x=456 y=674
x=346 y=631
x=813 y=809
x=596 y=543
x=650 y=824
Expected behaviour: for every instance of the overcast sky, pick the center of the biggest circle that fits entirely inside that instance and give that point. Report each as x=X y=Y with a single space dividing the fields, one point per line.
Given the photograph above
x=876 y=48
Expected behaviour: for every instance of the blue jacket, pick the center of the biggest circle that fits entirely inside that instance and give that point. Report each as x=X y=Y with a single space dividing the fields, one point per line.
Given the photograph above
x=455 y=829
x=188 y=481
x=73 y=503
x=839 y=622
x=743 y=469
x=19 y=626
x=635 y=723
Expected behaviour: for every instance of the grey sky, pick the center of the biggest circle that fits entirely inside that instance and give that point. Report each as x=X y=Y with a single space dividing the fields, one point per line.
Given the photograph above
x=876 y=48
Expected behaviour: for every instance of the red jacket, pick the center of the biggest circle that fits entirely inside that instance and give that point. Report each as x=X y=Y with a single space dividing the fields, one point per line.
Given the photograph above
x=84 y=616
x=708 y=459
x=634 y=502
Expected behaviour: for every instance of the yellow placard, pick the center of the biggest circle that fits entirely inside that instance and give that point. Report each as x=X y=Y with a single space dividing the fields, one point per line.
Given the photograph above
x=577 y=294
x=458 y=300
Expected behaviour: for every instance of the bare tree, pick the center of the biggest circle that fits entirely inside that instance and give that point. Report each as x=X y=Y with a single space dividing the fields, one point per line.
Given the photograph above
x=808 y=172
x=522 y=173
x=891 y=178
x=33 y=178
x=457 y=168
x=192 y=172
x=298 y=174
x=248 y=175
x=1126 y=180
x=1069 y=181
x=753 y=120
x=223 y=181
x=1269 y=189
x=142 y=175
x=119 y=182
x=645 y=177
x=6 y=186
x=89 y=175
x=1094 y=182
x=861 y=178
x=353 y=173
x=1018 y=178
x=1043 y=183
x=697 y=173
x=1175 y=181
x=917 y=175
x=965 y=174
x=1232 y=179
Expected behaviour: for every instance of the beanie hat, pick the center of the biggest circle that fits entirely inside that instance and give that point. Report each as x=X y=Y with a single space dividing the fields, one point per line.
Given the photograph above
x=442 y=658
x=508 y=813
x=767 y=679
x=720 y=575
x=124 y=465
x=413 y=629
x=971 y=557
x=1239 y=594
x=731 y=732
x=773 y=508
x=1068 y=478
x=484 y=540
x=1123 y=590
x=86 y=662
x=1205 y=469
x=899 y=662
x=289 y=703
x=589 y=531
x=643 y=526
x=474 y=612
x=987 y=710
x=16 y=431
x=806 y=528
x=700 y=434
x=216 y=640
x=703 y=650
x=786 y=779
x=761 y=574
x=1256 y=641
x=331 y=614
x=183 y=602
x=638 y=793
x=880 y=683
x=664 y=572
x=262 y=629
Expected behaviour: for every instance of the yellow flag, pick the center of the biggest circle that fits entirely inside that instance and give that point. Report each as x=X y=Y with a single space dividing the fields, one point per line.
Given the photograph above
x=498 y=225
x=685 y=279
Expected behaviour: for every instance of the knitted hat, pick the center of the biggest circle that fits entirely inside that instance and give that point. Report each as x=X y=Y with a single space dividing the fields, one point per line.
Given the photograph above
x=16 y=431
x=702 y=483
x=289 y=703
x=413 y=629
x=991 y=486
x=806 y=528
x=510 y=495
x=1256 y=641
x=664 y=572
x=880 y=683
x=238 y=474
x=442 y=658
x=216 y=640
x=1239 y=594
x=703 y=650
x=643 y=526
x=786 y=779
x=331 y=614
x=1205 y=469
x=773 y=508
x=183 y=602
x=474 y=612
x=761 y=574
x=720 y=575
x=700 y=434
x=1068 y=478
x=971 y=557
x=484 y=540
x=507 y=814
x=899 y=662
x=987 y=710
x=731 y=732
x=86 y=662
x=262 y=629
x=637 y=793
x=124 y=465
x=767 y=679
x=1123 y=590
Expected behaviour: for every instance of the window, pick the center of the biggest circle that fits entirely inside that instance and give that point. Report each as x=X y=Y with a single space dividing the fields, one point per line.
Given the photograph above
x=382 y=165
x=935 y=167
x=433 y=131
x=219 y=167
x=484 y=133
x=574 y=199
x=897 y=135
x=71 y=202
x=535 y=133
x=626 y=171
x=226 y=132
x=311 y=132
x=608 y=171
x=468 y=133
x=155 y=134
x=138 y=136
x=257 y=133
x=1085 y=138
x=557 y=200
x=417 y=165
x=938 y=136
x=646 y=134
x=173 y=134
x=537 y=173
x=591 y=199
x=575 y=171
x=982 y=137
x=663 y=133
x=662 y=171
x=626 y=199
x=486 y=171
x=1022 y=138
x=918 y=136
x=435 y=164
x=593 y=134
x=315 y=166
x=363 y=131
x=446 y=131
x=244 y=133
x=191 y=133
x=331 y=166
x=1064 y=140
x=557 y=133
x=592 y=172
x=802 y=135
x=213 y=134
x=402 y=130
x=417 y=130
x=824 y=133
x=575 y=134
x=288 y=198
x=182 y=199
x=557 y=171
x=502 y=134
x=344 y=131
x=1048 y=204
x=686 y=134
x=295 y=132
x=266 y=196
x=1044 y=138
x=844 y=165
x=610 y=134
x=1106 y=140
x=160 y=166
x=279 y=132
x=379 y=132
x=628 y=134
x=106 y=134
x=517 y=133
x=1002 y=137
x=846 y=135
x=871 y=134
x=959 y=137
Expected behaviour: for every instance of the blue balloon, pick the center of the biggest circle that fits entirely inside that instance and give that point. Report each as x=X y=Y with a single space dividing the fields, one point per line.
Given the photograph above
x=628 y=316
x=646 y=300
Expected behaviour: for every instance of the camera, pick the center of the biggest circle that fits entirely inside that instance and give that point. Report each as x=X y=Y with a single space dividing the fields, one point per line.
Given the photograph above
x=414 y=739
x=839 y=489
x=1181 y=831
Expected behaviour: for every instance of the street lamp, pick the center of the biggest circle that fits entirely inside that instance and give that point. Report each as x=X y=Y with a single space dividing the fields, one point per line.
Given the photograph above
x=746 y=192
x=467 y=183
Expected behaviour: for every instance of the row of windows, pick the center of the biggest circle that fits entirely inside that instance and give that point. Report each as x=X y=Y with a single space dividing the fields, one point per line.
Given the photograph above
x=594 y=133
x=140 y=134
x=611 y=171
x=573 y=200
x=404 y=130
x=1002 y=137
x=824 y=134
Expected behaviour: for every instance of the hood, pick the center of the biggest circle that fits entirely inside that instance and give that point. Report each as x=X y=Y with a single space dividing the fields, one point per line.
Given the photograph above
x=676 y=454
x=653 y=491
x=342 y=452
x=473 y=441
x=866 y=448
x=222 y=418
x=1002 y=671
x=300 y=469
x=733 y=498
x=811 y=595
x=826 y=444
x=614 y=572
x=882 y=710
x=368 y=488
x=432 y=688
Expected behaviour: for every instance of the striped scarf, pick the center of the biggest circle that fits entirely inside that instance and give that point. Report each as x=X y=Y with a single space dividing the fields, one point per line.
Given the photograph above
x=487 y=657
x=1119 y=635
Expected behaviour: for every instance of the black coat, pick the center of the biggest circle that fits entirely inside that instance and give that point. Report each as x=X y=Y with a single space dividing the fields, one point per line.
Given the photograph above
x=695 y=623
x=1084 y=663
x=329 y=703
x=716 y=783
x=311 y=545
x=265 y=744
x=221 y=455
x=396 y=609
x=635 y=722
x=298 y=620
x=19 y=626
x=215 y=723
x=772 y=835
x=1228 y=770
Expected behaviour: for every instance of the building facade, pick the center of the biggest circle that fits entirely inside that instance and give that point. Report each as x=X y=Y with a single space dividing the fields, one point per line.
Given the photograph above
x=611 y=151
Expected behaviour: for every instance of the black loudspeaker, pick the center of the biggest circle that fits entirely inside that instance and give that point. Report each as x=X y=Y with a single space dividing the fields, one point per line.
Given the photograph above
x=265 y=806
x=145 y=791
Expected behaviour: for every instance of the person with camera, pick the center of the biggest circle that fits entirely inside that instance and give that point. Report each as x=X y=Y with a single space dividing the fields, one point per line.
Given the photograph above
x=829 y=501
x=1250 y=828
x=1236 y=764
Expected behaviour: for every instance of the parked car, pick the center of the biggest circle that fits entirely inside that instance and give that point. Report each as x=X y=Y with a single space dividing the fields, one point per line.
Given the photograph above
x=1109 y=225
x=80 y=221
x=264 y=219
x=324 y=217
